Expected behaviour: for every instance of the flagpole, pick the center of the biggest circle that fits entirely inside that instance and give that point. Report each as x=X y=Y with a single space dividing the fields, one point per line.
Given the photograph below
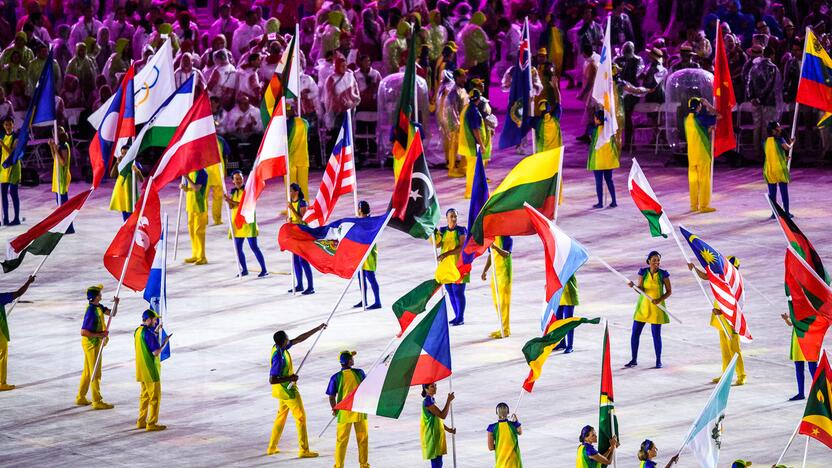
x=788 y=444
x=451 y=405
x=286 y=182
x=635 y=286
x=797 y=104
x=805 y=451
x=519 y=398
x=230 y=227
x=361 y=280
x=123 y=273
x=34 y=273
x=178 y=221
x=496 y=293
x=559 y=186
x=531 y=98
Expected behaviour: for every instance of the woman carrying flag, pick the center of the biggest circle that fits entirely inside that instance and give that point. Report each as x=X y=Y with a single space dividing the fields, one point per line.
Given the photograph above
x=9 y=177
x=655 y=282
x=248 y=231
x=368 y=269
x=602 y=161
x=799 y=358
x=432 y=427
x=216 y=181
x=449 y=240
x=648 y=451
x=566 y=309
x=196 y=205
x=776 y=165
x=698 y=124
x=297 y=208
x=502 y=277
x=547 y=126
x=588 y=456
x=473 y=133
x=125 y=192
x=61 y=177
x=502 y=439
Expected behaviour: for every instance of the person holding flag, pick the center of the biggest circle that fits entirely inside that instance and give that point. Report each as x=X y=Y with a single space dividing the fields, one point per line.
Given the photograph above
x=432 y=427
x=61 y=177
x=588 y=457
x=125 y=191
x=701 y=118
x=149 y=371
x=602 y=160
x=473 y=134
x=368 y=269
x=297 y=208
x=196 y=187
x=776 y=165
x=502 y=439
x=247 y=231
x=8 y=298
x=9 y=176
x=297 y=130
x=648 y=451
x=341 y=384
x=566 y=309
x=547 y=126
x=216 y=182
x=655 y=283
x=449 y=240
x=797 y=356
x=93 y=339
x=501 y=291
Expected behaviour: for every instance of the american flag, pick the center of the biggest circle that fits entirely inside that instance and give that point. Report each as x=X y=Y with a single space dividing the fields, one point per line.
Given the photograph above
x=339 y=177
x=725 y=280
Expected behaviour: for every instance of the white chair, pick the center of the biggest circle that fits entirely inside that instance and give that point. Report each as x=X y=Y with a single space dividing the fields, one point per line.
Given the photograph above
x=367 y=137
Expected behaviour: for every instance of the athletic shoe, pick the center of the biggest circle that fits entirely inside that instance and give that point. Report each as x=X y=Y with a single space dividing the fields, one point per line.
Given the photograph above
x=155 y=427
x=631 y=364
x=101 y=405
x=81 y=401
x=308 y=454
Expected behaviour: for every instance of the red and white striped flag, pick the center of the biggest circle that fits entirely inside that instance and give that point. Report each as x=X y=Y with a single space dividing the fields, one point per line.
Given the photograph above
x=339 y=178
x=272 y=161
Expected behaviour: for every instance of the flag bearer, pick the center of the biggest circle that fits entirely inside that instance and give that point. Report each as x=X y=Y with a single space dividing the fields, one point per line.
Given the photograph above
x=297 y=129
x=149 y=371
x=9 y=177
x=7 y=298
x=216 y=176
x=125 y=191
x=648 y=451
x=655 y=282
x=61 y=176
x=296 y=210
x=368 y=270
x=797 y=355
x=566 y=309
x=588 y=456
x=473 y=133
x=776 y=165
x=698 y=124
x=602 y=161
x=340 y=385
x=195 y=187
x=727 y=346
x=547 y=126
x=502 y=439
x=93 y=339
x=248 y=231
x=283 y=379
x=432 y=427
x=449 y=240
x=502 y=294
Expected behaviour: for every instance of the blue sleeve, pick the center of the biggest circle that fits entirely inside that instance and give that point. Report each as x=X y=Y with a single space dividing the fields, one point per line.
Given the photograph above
x=590 y=450
x=428 y=401
x=642 y=271
x=706 y=120
x=462 y=231
x=202 y=177
x=473 y=118
x=90 y=319
x=332 y=388
x=665 y=273
x=516 y=424
x=302 y=204
x=6 y=298
x=277 y=364
x=557 y=111
x=491 y=427
x=361 y=374
x=150 y=339
x=508 y=243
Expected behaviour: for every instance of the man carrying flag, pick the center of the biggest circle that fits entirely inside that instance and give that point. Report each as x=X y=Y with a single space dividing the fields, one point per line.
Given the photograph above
x=149 y=371
x=518 y=118
x=5 y=337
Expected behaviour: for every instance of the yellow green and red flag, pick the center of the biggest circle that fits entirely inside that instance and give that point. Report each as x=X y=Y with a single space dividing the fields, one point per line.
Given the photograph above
x=537 y=350
x=817 y=418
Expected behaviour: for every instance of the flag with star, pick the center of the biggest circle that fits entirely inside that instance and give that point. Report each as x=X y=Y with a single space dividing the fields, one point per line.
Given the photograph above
x=414 y=196
x=603 y=91
x=817 y=418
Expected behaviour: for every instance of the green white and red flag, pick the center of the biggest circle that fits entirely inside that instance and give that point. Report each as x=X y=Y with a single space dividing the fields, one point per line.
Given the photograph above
x=647 y=202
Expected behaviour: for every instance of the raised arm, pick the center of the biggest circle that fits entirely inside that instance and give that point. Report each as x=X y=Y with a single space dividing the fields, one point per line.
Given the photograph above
x=302 y=337
x=701 y=274
x=22 y=290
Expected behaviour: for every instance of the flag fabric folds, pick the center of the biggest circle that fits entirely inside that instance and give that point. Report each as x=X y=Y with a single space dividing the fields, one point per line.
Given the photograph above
x=537 y=350
x=44 y=236
x=534 y=181
x=414 y=196
x=725 y=280
x=145 y=233
x=647 y=202
x=338 y=179
x=155 y=291
x=519 y=116
x=603 y=91
x=815 y=86
x=285 y=81
x=407 y=307
x=192 y=147
x=41 y=110
x=479 y=196
x=810 y=295
x=564 y=256
x=799 y=242
x=423 y=355
x=607 y=420
x=724 y=99
x=704 y=437
x=108 y=132
x=338 y=248
x=817 y=417
x=403 y=128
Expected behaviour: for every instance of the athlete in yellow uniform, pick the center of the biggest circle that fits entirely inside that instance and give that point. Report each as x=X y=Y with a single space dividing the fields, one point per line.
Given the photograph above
x=296 y=209
x=368 y=269
x=502 y=439
x=197 y=207
x=502 y=294
x=93 y=339
x=5 y=337
x=341 y=384
x=655 y=282
x=216 y=182
x=61 y=176
x=125 y=191
x=566 y=309
x=449 y=240
x=432 y=426
x=473 y=134
x=776 y=165
x=283 y=379
x=698 y=124
x=297 y=129
x=648 y=451
x=9 y=177
x=588 y=456
x=602 y=161
x=547 y=132
x=248 y=231
x=149 y=371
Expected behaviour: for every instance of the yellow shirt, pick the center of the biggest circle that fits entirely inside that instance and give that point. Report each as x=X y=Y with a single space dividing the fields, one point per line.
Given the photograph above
x=60 y=172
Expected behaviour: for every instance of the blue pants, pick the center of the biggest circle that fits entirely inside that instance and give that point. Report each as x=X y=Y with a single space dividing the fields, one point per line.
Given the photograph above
x=301 y=267
x=252 y=243
x=10 y=189
x=125 y=215
x=599 y=187
x=436 y=462
x=456 y=293
x=798 y=372
x=562 y=313
x=370 y=276
x=60 y=199
x=657 y=339
x=784 y=194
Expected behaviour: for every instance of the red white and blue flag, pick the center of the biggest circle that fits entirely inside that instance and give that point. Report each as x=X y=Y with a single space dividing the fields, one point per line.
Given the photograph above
x=339 y=248
x=117 y=126
x=338 y=179
x=519 y=115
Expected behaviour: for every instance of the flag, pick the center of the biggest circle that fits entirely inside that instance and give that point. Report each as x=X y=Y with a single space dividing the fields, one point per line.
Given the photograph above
x=41 y=110
x=126 y=124
x=725 y=280
x=603 y=91
x=402 y=130
x=518 y=118
x=810 y=295
x=285 y=81
x=108 y=132
x=145 y=234
x=414 y=303
x=272 y=161
x=564 y=256
x=338 y=248
x=799 y=242
x=414 y=196
x=825 y=120
x=817 y=417
x=159 y=130
x=192 y=147
x=155 y=84
x=479 y=196
x=533 y=180
x=704 y=437
x=338 y=179
x=537 y=350
x=647 y=202
x=815 y=86
x=44 y=236
x=423 y=355
x=155 y=291
x=724 y=100
x=607 y=420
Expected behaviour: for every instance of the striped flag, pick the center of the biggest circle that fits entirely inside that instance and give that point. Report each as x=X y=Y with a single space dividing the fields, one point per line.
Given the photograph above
x=519 y=116
x=41 y=110
x=607 y=420
x=725 y=280
x=117 y=125
x=647 y=202
x=338 y=179
x=537 y=350
x=285 y=81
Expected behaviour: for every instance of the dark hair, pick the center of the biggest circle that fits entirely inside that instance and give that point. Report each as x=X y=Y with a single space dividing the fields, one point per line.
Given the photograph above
x=646 y=446
x=773 y=126
x=449 y=211
x=585 y=432
x=364 y=207
x=237 y=171
x=425 y=390
x=586 y=49
x=599 y=114
x=296 y=188
x=653 y=253
x=280 y=337
x=500 y=406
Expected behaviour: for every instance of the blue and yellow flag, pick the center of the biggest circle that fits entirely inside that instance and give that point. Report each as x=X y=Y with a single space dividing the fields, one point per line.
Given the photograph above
x=41 y=110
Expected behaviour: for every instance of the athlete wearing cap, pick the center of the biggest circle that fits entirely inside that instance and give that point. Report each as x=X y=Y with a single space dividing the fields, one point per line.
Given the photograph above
x=93 y=339
x=341 y=384
x=149 y=370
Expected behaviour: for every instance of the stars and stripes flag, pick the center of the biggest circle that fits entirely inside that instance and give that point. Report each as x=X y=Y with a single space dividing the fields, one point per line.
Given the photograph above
x=725 y=280
x=338 y=179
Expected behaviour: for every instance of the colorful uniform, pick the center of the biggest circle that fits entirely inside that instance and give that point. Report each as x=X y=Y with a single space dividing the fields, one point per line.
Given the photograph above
x=368 y=275
x=566 y=309
x=248 y=231
x=647 y=312
x=447 y=273
x=93 y=322
x=9 y=178
x=125 y=193
x=728 y=347
x=197 y=207
x=5 y=298
x=340 y=385
x=506 y=447
x=583 y=460
x=148 y=374
x=697 y=127
x=298 y=131
x=502 y=276
x=601 y=162
x=647 y=464
x=547 y=131
x=812 y=329
x=290 y=400
x=300 y=265
x=472 y=121
x=60 y=173
x=216 y=182
x=776 y=170
x=431 y=432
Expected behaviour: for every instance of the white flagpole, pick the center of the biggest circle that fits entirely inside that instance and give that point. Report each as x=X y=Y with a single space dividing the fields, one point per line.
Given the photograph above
x=635 y=286
x=178 y=221
x=805 y=451
x=519 y=397
x=533 y=132
x=797 y=104
x=496 y=293
x=34 y=273
x=349 y=138
x=788 y=444
x=287 y=183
